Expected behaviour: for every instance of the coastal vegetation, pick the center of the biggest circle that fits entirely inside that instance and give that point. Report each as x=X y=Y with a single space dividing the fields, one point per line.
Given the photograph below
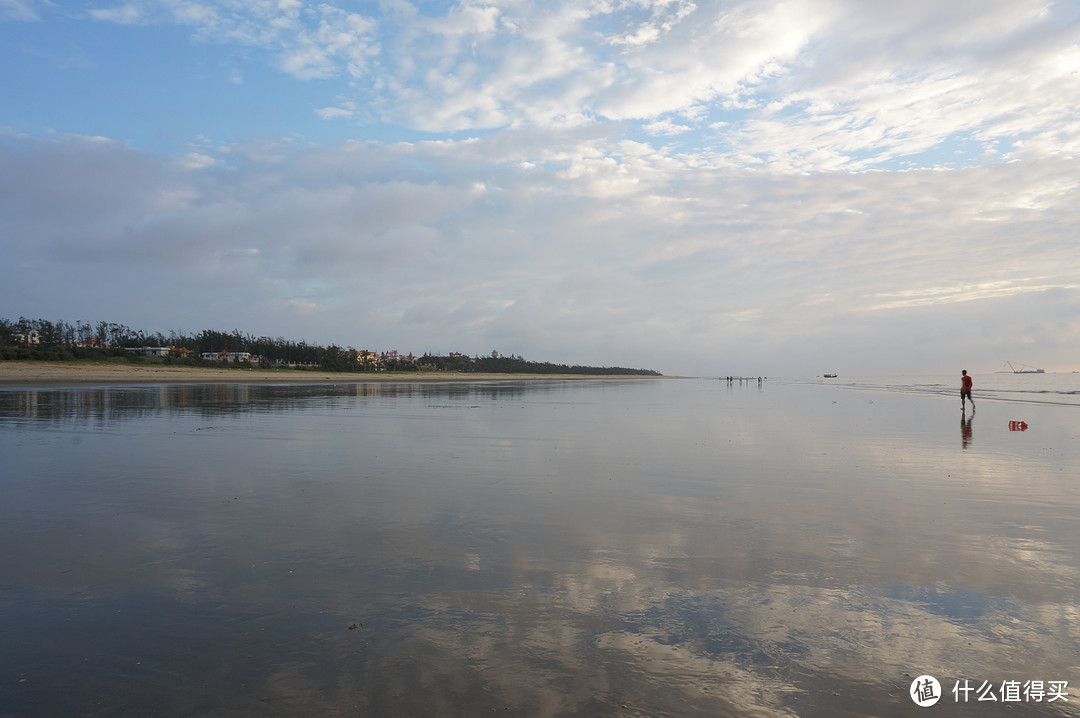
x=40 y=339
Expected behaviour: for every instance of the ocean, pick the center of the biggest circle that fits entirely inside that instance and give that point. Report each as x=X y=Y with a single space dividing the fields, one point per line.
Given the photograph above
x=644 y=547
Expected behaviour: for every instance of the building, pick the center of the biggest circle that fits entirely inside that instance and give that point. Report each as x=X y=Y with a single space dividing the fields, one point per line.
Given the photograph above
x=225 y=355
x=30 y=338
x=368 y=359
x=149 y=351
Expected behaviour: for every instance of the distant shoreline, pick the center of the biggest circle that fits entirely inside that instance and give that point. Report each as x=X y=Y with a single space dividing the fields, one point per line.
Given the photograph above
x=19 y=373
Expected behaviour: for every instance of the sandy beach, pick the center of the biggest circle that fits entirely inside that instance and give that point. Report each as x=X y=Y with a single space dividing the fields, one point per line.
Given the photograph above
x=58 y=373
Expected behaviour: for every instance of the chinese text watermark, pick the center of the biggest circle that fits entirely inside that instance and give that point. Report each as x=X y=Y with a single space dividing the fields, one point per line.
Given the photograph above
x=926 y=691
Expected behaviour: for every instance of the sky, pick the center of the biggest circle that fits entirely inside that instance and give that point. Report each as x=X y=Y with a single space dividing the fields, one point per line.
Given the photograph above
x=749 y=187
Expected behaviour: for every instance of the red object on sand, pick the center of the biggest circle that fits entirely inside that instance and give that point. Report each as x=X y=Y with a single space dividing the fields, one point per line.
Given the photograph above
x=1017 y=426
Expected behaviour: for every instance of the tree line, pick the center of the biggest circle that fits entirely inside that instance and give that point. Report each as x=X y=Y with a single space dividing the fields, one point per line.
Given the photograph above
x=62 y=340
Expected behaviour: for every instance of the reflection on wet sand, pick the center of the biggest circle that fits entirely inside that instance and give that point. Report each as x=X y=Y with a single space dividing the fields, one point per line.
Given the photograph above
x=596 y=549
x=966 y=430
x=88 y=405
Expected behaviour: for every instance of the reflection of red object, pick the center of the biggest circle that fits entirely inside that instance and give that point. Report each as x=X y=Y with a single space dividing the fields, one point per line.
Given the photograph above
x=1017 y=426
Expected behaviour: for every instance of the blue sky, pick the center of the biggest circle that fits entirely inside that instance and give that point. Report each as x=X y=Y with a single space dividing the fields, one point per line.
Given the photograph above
x=781 y=188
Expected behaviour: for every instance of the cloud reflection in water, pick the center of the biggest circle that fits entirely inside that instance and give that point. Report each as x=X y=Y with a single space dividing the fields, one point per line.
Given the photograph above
x=555 y=548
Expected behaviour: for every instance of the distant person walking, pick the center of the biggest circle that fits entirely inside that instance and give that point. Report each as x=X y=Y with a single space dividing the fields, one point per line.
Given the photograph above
x=965 y=391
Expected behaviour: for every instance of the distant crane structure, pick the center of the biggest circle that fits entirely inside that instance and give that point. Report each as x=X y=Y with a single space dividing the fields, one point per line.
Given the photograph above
x=1023 y=368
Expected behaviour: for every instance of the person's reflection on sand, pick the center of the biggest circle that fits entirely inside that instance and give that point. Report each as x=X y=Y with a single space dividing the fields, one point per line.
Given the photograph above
x=965 y=428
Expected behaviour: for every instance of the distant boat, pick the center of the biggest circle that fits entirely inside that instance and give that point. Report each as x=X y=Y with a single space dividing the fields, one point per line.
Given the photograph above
x=1023 y=369
x=830 y=376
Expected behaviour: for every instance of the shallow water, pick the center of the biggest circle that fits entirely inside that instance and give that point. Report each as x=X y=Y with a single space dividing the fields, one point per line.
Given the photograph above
x=1058 y=389
x=582 y=548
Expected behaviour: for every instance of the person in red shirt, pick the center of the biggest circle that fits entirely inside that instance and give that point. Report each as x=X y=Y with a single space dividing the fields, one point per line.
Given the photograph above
x=965 y=390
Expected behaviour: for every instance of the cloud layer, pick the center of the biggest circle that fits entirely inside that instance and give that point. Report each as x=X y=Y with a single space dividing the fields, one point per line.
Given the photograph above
x=703 y=188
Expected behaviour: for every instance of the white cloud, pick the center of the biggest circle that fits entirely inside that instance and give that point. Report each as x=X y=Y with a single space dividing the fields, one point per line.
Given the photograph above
x=899 y=86
x=664 y=18
x=851 y=176
x=302 y=307
x=333 y=113
x=466 y=20
x=597 y=252
x=197 y=161
x=310 y=42
x=121 y=14
x=809 y=85
x=936 y=296
x=665 y=127
x=24 y=10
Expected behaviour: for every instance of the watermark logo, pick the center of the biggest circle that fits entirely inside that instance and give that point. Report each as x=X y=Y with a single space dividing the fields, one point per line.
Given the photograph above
x=925 y=691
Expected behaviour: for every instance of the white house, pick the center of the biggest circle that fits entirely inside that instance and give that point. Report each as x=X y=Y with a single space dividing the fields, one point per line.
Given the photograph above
x=31 y=337
x=150 y=351
x=226 y=356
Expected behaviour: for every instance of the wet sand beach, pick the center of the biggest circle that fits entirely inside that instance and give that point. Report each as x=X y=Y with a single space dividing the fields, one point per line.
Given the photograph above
x=538 y=548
